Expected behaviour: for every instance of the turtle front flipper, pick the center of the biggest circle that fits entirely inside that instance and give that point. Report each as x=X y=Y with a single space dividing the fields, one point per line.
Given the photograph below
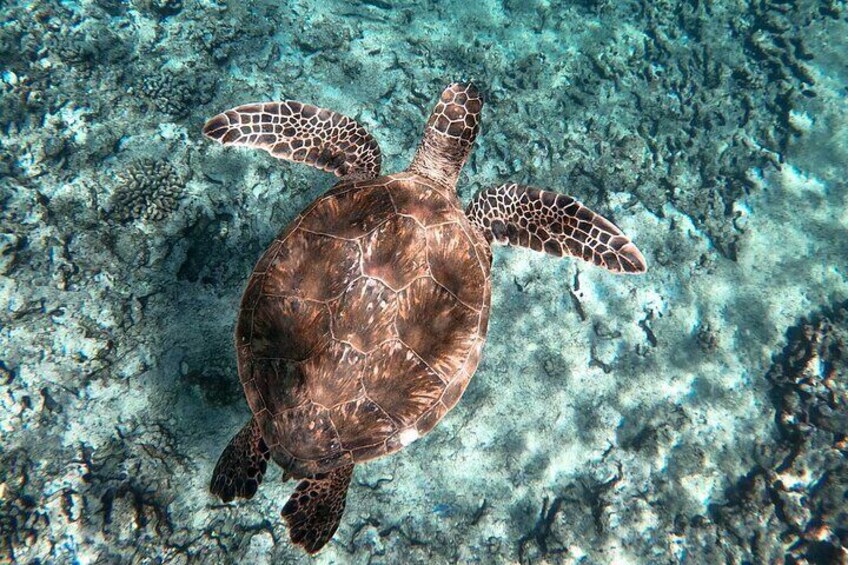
x=242 y=464
x=301 y=133
x=314 y=510
x=513 y=214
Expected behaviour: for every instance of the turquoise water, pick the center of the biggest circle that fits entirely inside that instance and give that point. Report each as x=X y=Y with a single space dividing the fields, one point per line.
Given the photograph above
x=696 y=413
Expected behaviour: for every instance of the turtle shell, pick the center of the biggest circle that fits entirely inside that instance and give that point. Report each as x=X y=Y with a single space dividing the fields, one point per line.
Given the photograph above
x=363 y=322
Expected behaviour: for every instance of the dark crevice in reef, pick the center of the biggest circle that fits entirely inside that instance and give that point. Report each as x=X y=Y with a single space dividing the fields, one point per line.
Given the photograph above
x=586 y=496
x=540 y=532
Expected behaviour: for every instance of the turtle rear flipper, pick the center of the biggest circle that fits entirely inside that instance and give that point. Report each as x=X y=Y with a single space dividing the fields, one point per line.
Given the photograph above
x=301 y=133
x=314 y=510
x=242 y=464
x=513 y=214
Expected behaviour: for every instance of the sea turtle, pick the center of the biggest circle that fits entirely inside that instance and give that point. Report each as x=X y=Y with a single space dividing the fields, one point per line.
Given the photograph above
x=364 y=320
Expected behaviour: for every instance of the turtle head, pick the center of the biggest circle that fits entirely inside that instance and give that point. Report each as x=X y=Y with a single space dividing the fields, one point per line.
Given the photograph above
x=449 y=134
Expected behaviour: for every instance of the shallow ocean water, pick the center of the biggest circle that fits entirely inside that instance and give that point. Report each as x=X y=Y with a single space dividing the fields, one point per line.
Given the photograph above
x=697 y=413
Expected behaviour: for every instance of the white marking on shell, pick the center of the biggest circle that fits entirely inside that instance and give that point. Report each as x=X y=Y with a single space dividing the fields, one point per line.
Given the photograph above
x=407 y=436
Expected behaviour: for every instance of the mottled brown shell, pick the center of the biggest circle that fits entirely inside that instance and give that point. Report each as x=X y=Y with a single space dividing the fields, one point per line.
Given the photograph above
x=363 y=322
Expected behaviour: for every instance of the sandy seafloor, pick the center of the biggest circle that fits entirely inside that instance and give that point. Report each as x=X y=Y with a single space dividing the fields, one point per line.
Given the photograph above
x=696 y=414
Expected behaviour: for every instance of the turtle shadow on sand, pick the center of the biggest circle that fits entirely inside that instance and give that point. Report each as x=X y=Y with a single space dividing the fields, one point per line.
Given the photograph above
x=364 y=320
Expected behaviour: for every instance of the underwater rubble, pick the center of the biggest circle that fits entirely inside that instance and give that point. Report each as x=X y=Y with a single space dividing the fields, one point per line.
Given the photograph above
x=695 y=414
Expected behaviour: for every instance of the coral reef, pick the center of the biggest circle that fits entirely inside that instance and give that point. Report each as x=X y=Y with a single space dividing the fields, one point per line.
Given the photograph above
x=790 y=507
x=665 y=418
x=175 y=94
x=21 y=519
x=811 y=400
x=811 y=381
x=148 y=190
